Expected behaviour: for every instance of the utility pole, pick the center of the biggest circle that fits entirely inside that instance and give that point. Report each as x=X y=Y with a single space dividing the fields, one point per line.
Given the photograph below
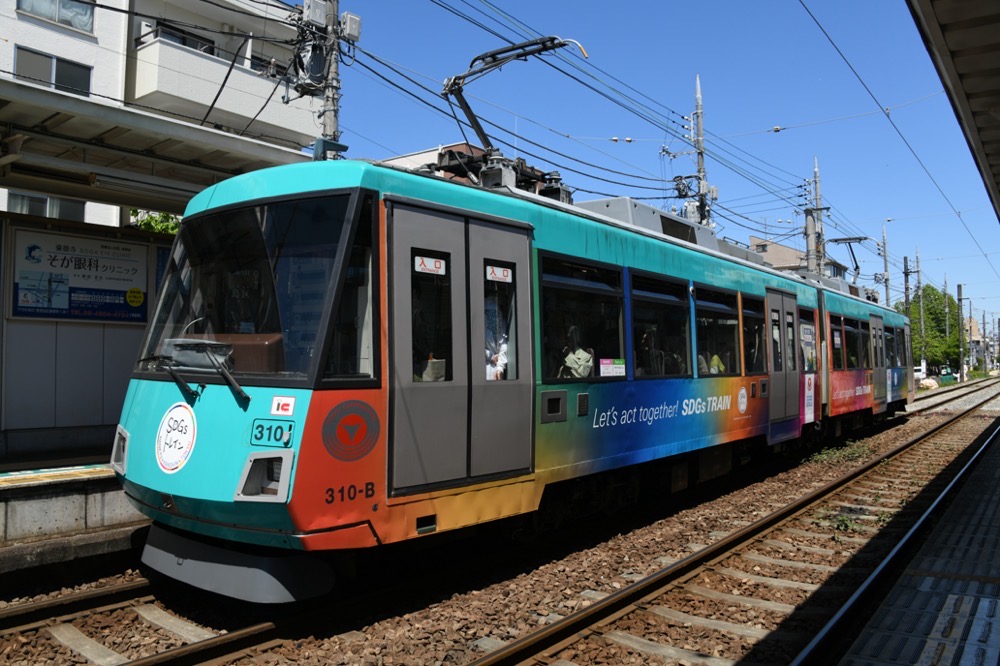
x=906 y=285
x=815 y=250
x=319 y=47
x=331 y=90
x=961 y=340
x=947 y=322
x=972 y=354
x=820 y=243
x=885 y=263
x=920 y=292
x=704 y=190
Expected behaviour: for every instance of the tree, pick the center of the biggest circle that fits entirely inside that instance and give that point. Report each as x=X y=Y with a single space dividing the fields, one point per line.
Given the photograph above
x=939 y=342
x=148 y=220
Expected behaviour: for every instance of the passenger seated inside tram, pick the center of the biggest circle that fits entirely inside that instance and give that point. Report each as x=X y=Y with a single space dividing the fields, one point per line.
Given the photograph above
x=577 y=361
x=649 y=359
x=717 y=366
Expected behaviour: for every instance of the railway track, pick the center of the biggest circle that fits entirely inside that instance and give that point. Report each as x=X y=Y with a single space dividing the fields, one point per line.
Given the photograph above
x=783 y=588
x=118 y=624
x=926 y=402
x=828 y=544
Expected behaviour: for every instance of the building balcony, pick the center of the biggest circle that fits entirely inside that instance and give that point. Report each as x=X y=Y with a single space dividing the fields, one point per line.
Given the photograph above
x=179 y=80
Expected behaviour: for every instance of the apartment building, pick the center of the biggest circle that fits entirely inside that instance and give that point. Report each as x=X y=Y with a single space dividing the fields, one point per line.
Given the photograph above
x=104 y=107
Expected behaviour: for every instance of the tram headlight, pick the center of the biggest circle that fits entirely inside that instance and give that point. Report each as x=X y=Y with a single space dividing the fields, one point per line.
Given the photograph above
x=119 y=452
x=265 y=477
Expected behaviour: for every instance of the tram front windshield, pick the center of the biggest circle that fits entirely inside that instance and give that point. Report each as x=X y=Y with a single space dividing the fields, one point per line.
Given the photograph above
x=245 y=290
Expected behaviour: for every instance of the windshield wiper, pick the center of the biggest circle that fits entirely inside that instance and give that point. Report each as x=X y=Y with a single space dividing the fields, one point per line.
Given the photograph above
x=167 y=363
x=228 y=376
x=209 y=349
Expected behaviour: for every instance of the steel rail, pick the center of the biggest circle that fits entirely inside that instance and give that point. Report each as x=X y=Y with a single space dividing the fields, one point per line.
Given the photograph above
x=564 y=630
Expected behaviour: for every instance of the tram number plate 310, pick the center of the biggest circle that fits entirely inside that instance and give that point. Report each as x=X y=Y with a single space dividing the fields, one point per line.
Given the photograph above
x=271 y=432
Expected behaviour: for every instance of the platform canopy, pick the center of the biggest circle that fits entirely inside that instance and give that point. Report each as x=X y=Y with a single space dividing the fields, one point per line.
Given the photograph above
x=963 y=39
x=61 y=144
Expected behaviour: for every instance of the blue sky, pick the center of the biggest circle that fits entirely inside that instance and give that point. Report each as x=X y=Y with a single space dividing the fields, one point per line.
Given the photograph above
x=763 y=64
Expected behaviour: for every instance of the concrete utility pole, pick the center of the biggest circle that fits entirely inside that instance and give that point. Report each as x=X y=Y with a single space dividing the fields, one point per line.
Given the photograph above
x=961 y=340
x=947 y=323
x=699 y=146
x=331 y=91
x=885 y=263
x=906 y=285
x=815 y=247
x=920 y=292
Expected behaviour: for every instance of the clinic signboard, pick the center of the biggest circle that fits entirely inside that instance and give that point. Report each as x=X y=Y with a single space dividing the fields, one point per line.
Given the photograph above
x=61 y=276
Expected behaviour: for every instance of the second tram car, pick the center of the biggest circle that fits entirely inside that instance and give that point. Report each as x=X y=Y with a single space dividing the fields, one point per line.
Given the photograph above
x=345 y=355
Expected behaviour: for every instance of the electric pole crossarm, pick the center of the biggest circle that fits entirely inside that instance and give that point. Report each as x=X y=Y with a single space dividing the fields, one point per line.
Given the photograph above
x=494 y=60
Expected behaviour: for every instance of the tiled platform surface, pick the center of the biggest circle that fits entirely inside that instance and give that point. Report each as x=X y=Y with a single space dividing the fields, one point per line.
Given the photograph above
x=945 y=610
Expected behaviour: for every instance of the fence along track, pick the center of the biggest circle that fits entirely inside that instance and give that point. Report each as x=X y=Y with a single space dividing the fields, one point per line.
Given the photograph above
x=858 y=523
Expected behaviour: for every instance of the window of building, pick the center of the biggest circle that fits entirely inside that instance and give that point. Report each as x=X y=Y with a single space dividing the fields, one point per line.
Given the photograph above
x=43 y=206
x=717 y=328
x=807 y=341
x=754 y=336
x=837 y=341
x=61 y=74
x=77 y=14
x=661 y=328
x=184 y=38
x=581 y=320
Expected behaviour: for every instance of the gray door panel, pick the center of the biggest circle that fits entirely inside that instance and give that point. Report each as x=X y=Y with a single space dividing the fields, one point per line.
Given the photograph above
x=453 y=415
x=501 y=408
x=878 y=361
x=783 y=341
x=430 y=395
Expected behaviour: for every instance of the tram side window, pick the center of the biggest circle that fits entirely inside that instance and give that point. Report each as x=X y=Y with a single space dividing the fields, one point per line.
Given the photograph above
x=837 y=341
x=852 y=343
x=776 y=354
x=498 y=318
x=807 y=341
x=866 y=346
x=581 y=321
x=351 y=351
x=430 y=287
x=754 y=336
x=790 y=340
x=717 y=327
x=661 y=328
x=890 y=347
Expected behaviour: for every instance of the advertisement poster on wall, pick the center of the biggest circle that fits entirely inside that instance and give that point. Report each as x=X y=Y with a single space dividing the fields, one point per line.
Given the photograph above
x=59 y=276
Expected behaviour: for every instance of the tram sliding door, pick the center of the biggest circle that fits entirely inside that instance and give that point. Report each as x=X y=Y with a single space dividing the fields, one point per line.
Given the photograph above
x=460 y=404
x=784 y=358
x=878 y=363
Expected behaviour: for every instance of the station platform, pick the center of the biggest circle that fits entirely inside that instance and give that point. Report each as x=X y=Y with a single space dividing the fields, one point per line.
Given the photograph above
x=60 y=514
x=945 y=609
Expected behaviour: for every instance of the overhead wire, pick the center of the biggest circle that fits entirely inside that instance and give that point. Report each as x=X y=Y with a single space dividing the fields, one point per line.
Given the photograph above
x=902 y=137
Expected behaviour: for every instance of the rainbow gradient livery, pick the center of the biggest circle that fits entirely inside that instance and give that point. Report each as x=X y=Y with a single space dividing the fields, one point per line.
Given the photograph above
x=345 y=355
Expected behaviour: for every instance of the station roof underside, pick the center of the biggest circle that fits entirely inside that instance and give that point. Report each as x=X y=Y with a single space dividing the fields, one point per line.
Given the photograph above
x=963 y=40
x=65 y=145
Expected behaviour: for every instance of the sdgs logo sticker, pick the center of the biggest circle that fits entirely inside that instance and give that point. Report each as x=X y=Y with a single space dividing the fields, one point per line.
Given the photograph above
x=350 y=431
x=175 y=437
